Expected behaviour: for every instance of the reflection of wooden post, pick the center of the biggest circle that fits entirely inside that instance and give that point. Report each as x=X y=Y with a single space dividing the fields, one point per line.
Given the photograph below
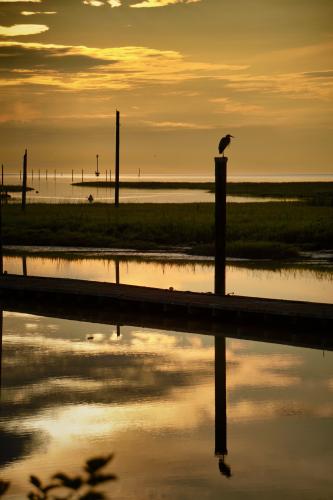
x=220 y=223
x=24 y=180
x=24 y=265
x=117 y=272
x=116 y=191
x=1 y=326
x=220 y=398
x=1 y=253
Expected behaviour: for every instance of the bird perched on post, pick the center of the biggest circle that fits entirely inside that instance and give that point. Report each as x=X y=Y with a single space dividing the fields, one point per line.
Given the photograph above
x=224 y=142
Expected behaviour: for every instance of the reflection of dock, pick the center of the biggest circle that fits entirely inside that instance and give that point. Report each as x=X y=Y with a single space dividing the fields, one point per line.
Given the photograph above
x=287 y=322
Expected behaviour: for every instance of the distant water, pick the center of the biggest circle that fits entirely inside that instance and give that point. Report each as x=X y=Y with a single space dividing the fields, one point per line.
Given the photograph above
x=57 y=187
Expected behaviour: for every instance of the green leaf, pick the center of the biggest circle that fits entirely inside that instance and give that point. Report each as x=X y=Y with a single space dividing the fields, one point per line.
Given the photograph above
x=94 y=464
x=35 y=481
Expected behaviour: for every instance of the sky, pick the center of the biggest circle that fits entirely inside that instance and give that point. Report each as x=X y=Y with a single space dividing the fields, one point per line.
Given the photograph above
x=182 y=73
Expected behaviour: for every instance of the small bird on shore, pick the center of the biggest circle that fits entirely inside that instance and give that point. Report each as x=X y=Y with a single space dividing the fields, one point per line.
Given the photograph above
x=224 y=142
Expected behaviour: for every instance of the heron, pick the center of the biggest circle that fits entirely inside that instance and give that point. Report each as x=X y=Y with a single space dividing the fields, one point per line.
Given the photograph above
x=224 y=142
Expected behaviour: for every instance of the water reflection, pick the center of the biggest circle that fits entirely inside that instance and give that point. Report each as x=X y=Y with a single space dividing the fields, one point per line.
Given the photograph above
x=295 y=282
x=73 y=389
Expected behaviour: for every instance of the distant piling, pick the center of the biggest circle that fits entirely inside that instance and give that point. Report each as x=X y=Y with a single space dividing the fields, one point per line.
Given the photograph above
x=72 y=175
x=39 y=174
x=24 y=179
x=2 y=182
x=116 y=191
x=1 y=252
x=82 y=175
x=46 y=174
x=220 y=223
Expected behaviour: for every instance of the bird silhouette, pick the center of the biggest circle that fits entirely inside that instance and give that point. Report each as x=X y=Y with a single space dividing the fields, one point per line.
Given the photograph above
x=224 y=142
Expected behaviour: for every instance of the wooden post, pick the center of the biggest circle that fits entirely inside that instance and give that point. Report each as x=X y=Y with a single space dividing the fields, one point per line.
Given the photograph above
x=24 y=179
x=220 y=223
x=46 y=174
x=55 y=175
x=110 y=176
x=39 y=174
x=106 y=176
x=82 y=175
x=116 y=191
x=72 y=175
x=2 y=175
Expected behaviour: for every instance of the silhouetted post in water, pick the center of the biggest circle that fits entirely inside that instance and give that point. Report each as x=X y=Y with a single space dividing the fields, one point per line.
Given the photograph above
x=116 y=191
x=20 y=175
x=39 y=174
x=220 y=223
x=55 y=175
x=32 y=174
x=118 y=331
x=106 y=176
x=72 y=175
x=110 y=175
x=82 y=175
x=46 y=174
x=221 y=405
x=24 y=265
x=2 y=175
x=24 y=180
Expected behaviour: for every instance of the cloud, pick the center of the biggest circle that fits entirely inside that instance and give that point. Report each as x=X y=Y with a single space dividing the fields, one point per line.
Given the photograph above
x=80 y=67
x=160 y=3
x=100 y=3
x=23 y=29
x=33 y=13
x=174 y=125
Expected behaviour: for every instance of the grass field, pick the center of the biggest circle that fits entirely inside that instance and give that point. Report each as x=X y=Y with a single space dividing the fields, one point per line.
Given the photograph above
x=254 y=230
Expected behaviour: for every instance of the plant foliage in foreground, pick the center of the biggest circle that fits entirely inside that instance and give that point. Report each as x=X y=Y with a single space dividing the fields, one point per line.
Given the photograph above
x=64 y=487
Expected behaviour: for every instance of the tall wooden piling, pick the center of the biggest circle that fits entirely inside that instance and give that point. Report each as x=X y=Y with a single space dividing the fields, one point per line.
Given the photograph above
x=24 y=179
x=220 y=223
x=116 y=191
x=82 y=175
x=72 y=175
x=2 y=182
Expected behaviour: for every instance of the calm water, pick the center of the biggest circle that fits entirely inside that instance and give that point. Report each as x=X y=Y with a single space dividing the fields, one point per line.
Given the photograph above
x=57 y=188
x=310 y=283
x=72 y=390
x=148 y=396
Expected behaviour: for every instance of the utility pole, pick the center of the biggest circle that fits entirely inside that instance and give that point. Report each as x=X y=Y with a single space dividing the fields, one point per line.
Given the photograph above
x=24 y=179
x=116 y=191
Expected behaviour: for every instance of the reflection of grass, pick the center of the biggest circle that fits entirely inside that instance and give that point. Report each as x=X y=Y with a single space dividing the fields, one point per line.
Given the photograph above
x=255 y=230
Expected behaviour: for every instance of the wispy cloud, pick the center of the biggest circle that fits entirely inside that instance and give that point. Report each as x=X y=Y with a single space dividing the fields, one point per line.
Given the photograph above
x=80 y=67
x=100 y=3
x=23 y=29
x=176 y=125
x=160 y=3
x=33 y=13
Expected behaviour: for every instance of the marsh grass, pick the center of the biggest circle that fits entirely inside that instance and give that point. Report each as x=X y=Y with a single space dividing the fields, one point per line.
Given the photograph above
x=254 y=230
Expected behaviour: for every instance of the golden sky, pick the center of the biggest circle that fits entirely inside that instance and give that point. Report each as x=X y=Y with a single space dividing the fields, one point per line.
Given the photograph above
x=182 y=73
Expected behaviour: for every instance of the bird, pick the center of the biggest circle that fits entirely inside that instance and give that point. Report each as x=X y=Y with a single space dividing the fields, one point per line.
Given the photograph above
x=224 y=142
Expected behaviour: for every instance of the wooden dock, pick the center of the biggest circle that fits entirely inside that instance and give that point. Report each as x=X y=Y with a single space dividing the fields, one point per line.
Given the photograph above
x=169 y=309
